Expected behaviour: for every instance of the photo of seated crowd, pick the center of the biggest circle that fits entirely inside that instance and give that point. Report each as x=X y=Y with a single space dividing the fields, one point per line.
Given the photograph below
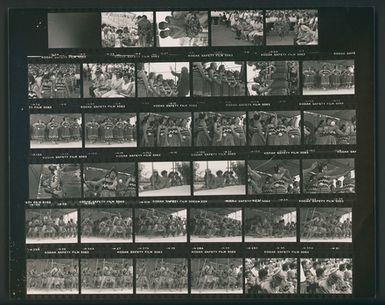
x=291 y=27
x=106 y=276
x=274 y=128
x=182 y=29
x=54 y=181
x=56 y=130
x=237 y=28
x=328 y=77
x=216 y=225
x=108 y=80
x=326 y=276
x=326 y=224
x=159 y=225
x=271 y=275
x=270 y=225
x=109 y=180
x=273 y=177
x=162 y=179
x=219 y=129
x=48 y=81
x=328 y=176
x=223 y=78
x=330 y=127
x=165 y=129
x=52 y=276
x=272 y=78
x=161 y=275
x=50 y=226
x=219 y=178
x=106 y=225
x=110 y=130
x=163 y=79
x=216 y=275
x=127 y=29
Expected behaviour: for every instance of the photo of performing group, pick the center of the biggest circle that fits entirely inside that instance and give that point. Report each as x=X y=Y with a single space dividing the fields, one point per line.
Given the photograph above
x=106 y=276
x=161 y=225
x=110 y=130
x=52 y=276
x=270 y=225
x=165 y=129
x=53 y=81
x=50 y=226
x=216 y=225
x=216 y=275
x=161 y=275
x=162 y=179
x=109 y=180
x=272 y=78
x=237 y=28
x=106 y=225
x=328 y=77
x=219 y=129
x=55 y=130
x=330 y=127
x=326 y=276
x=182 y=29
x=328 y=176
x=272 y=177
x=274 y=128
x=224 y=78
x=219 y=178
x=291 y=27
x=108 y=80
x=271 y=275
x=127 y=29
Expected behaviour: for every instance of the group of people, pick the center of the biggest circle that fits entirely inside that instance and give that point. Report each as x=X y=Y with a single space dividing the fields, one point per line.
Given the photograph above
x=53 y=81
x=264 y=227
x=209 y=79
x=326 y=227
x=220 y=179
x=164 y=180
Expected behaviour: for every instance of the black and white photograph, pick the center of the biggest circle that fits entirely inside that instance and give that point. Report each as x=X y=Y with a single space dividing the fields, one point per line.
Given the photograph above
x=55 y=130
x=163 y=179
x=216 y=225
x=270 y=224
x=182 y=29
x=109 y=80
x=328 y=77
x=52 y=276
x=219 y=178
x=291 y=27
x=106 y=225
x=222 y=78
x=328 y=176
x=326 y=276
x=219 y=129
x=161 y=276
x=268 y=128
x=165 y=129
x=272 y=78
x=54 y=181
x=217 y=276
x=237 y=28
x=110 y=130
x=53 y=81
x=163 y=79
x=106 y=275
x=127 y=29
x=161 y=225
x=272 y=177
x=109 y=180
x=326 y=224
x=51 y=226
x=271 y=275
